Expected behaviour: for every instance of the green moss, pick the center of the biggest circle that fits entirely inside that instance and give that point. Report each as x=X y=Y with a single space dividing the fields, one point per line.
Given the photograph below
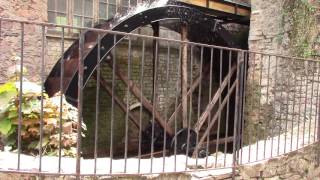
x=300 y=15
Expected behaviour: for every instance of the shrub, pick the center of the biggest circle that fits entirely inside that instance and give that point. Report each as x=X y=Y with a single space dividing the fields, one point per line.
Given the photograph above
x=31 y=121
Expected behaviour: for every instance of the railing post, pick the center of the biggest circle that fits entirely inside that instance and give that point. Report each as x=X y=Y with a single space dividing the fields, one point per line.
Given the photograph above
x=234 y=159
x=184 y=75
x=155 y=56
x=238 y=111
x=318 y=132
x=20 y=117
x=241 y=102
x=80 y=103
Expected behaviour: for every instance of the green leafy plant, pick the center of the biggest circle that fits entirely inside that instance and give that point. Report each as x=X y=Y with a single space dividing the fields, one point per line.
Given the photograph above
x=37 y=119
x=7 y=92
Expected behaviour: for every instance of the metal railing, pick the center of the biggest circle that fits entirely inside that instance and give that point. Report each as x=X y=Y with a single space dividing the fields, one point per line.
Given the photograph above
x=159 y=105
x=285 y=115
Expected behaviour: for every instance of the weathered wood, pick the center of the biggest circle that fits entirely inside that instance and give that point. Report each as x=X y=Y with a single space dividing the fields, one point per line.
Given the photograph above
x=221 y=140
x=145 y=102
x=215 y=117
x=155 y=62
x=118 y=100
x=155 y=154
x=214 y=100
x=184 y=76
x=194 y=85
x=227 y=7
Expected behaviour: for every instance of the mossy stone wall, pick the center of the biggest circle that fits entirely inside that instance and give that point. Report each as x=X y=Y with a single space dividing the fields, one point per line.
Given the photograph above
x=285 y=27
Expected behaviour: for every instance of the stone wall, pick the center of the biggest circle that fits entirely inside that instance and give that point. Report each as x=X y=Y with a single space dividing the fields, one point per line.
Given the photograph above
x=10 y=39
x=281 y=92
x=10 y=43
x=275 y=28
x=302 y=164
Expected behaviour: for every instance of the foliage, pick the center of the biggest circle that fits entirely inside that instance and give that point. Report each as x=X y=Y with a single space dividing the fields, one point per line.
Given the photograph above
x=35 y=115
x=300 y=16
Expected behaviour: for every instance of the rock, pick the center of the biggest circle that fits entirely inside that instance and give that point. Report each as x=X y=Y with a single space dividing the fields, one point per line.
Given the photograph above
x=295 y=177
x=247 y=173
x=313 y=174
x=272 y=178
x=271 y=172
x=67 y=127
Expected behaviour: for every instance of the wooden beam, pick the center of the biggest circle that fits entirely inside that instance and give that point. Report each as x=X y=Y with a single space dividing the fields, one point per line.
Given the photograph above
x=215 y=117
x=218 y=5
x=194 y=85
x=155 y=62
x=221 y=140
x=214 y=100
x=184 y=75
x=122 y=105
x=145 y=102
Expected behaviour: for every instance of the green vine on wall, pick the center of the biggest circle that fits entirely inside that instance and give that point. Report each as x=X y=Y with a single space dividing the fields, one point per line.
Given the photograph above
x=300 y=16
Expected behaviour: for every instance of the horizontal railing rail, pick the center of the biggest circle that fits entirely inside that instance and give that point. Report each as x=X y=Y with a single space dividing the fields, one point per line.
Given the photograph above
x=151 y=105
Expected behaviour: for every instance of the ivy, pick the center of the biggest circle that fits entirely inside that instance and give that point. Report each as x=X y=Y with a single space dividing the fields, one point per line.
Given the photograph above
x=300 y=16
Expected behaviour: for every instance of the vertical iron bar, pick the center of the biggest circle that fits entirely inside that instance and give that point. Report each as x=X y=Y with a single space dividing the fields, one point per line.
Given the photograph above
x=234 y=157
x=286 y=121
x=299 y=112
x=42 y=98
x=175 y=115
x=190 y=108
x=259 y=105
x=318 y=133
x=241 y=86
x=305 y=106
x=20 y=95
x=140 y=119
x=318 y=125
x=61 y=97
x=128 y=106
x=227 y=114
x=311 y=98
x=184 y=75
x=219 y=115
x=166 y=107
x=0 y=30
x=156 y=31
x=316 y=104
x=97 y=106
x=244 y=81
x=155 y=77
x=80 y=103
x=252 y=105
x=199 y=101
x=209 y=116
x=114 y=59
x=274 y=100
x=280 y=111
x=267 y=102
x=293 y=107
